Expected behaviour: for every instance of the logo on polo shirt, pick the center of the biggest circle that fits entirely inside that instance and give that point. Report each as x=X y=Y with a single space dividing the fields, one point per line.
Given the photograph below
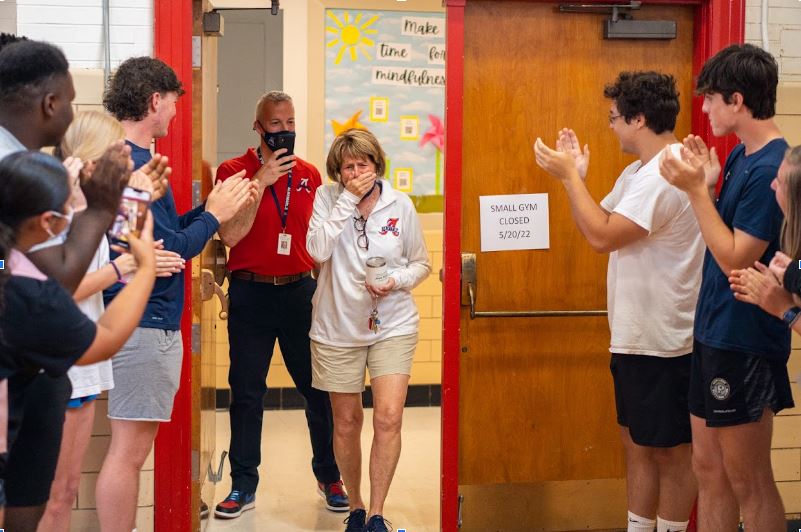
x=304 y=185
x=720 y=389
x=391 y=227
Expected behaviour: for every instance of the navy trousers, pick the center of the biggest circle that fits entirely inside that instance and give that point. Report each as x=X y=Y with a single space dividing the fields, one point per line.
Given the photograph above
x=260 y=313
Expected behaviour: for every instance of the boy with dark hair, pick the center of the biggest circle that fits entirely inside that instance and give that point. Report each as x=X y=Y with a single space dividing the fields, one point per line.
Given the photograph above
x=646 y=226
x=136 y=80
x=739 y=374
x=147 y=369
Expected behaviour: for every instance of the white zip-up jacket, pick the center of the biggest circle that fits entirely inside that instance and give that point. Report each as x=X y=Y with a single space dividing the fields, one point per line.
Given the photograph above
x=342 y=304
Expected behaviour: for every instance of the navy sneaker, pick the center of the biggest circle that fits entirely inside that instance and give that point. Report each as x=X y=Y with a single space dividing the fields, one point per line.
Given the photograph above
x=355 y=520
x=377 y=523
x=335 y=497
x=236 y=503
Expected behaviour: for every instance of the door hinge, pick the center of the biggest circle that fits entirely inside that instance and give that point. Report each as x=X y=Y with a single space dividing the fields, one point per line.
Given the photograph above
x=459 y=512
x=195 y=338
x=196 y=190
x=195 y=465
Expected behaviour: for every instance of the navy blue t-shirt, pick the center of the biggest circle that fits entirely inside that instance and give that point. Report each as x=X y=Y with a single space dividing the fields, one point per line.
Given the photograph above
x=185 y=235
x=746 y=203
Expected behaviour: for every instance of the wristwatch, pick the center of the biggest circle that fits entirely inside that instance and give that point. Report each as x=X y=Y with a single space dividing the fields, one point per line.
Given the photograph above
x=791 y=315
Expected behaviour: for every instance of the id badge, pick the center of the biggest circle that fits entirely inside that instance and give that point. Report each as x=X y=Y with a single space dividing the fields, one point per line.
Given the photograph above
x=284 y=243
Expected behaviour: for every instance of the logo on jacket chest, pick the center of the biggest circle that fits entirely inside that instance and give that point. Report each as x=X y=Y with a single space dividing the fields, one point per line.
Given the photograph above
x=391 y=227
x=304 y=185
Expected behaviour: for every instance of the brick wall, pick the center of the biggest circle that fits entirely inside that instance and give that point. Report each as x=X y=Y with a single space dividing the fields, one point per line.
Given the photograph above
x=77 y=27
x=784 y=33
x=8 y=16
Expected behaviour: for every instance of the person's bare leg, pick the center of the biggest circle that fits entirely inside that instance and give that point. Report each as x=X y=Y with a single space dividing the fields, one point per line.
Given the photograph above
x=348 y=421
x=677 y=486
x=389 y=396
x=642 y=477
x=746 y=457
x=118 y=483
x=74 y=441
x=717 y=505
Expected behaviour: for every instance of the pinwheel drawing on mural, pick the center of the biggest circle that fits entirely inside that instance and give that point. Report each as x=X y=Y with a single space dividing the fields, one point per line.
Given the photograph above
x=436 y=136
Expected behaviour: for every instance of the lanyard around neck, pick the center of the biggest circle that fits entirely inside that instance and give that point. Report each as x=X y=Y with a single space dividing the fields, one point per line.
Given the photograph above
x=285 y=214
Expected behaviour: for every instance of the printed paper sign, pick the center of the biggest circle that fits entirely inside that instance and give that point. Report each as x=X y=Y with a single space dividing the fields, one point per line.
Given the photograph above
x=515 y=221
x=379 y=109
x=423 y=27
x=436 y=54
x=414 y=77
x=393 y=51
x=403 y=179
x=410 y=127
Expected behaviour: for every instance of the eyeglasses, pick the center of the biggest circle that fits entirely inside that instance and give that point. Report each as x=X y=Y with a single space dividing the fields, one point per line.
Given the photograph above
x=612 y=118
x=360 y=224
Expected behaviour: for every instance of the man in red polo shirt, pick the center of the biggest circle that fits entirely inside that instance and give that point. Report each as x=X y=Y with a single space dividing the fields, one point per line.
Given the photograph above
x=270 y=293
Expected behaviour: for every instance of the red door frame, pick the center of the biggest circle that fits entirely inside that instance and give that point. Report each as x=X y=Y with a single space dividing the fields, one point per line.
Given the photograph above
x=173 y=453
x=718 y=23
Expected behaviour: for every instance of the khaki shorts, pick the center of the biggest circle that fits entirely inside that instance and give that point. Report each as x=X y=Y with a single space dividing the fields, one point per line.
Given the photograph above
x=341 y=369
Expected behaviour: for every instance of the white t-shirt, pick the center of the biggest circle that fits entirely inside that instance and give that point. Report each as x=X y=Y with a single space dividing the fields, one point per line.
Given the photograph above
x=652 y=284
x=342 y=304
x=94 y=378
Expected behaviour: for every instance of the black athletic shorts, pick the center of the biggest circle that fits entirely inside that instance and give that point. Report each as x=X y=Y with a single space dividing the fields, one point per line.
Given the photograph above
x=733 y=388
x=33 y=456
x=651 y=398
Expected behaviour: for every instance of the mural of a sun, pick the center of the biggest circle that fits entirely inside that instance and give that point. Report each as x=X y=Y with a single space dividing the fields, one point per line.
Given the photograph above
x=351 y=36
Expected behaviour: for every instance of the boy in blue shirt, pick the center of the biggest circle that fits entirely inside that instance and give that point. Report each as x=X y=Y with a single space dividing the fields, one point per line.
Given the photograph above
x=142 y=95
x=739 y=377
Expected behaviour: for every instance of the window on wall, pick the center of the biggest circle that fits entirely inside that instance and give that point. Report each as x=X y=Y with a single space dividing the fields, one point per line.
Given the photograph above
x=8 y=16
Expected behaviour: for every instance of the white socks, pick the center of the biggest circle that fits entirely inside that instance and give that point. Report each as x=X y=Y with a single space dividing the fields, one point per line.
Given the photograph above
x=663 y=525
x=643 y=524
x=640 y=524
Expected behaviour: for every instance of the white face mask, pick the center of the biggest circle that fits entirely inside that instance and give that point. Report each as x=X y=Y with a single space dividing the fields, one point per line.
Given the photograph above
x=68 y=217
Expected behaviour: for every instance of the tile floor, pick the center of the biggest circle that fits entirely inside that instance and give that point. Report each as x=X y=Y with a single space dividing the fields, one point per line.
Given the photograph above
x=287 y=500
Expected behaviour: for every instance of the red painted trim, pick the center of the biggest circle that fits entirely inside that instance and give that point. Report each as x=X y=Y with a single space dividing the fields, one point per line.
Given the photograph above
x=718 y=23
x=451 y=288
x=173 y=463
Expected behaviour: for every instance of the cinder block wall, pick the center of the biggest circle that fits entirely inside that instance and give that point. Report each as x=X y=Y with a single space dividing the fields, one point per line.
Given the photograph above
x=784 y=34
x=786 y=453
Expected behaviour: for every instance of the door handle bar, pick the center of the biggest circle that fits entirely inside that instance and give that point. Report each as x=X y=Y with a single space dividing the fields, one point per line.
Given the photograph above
x=525 y=313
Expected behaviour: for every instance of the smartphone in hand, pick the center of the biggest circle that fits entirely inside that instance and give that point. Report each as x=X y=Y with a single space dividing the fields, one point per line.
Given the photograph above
x=282 y=140
x=130 y=217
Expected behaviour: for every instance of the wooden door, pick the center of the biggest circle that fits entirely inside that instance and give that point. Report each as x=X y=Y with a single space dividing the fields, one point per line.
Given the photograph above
x=538 y=439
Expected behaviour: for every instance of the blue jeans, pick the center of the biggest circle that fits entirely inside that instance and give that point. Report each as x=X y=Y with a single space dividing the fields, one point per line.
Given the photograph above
x=260 y=313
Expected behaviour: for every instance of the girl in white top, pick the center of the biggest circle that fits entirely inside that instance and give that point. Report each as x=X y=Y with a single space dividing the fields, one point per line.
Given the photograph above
x=84 y=142
x=356 y=325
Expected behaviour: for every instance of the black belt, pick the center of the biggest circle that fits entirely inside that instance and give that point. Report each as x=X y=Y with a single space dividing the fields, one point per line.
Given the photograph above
x=277 y=280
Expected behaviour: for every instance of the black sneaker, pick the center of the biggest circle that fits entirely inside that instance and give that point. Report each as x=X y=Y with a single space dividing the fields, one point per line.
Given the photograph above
x=377 y=523
x=355 y=520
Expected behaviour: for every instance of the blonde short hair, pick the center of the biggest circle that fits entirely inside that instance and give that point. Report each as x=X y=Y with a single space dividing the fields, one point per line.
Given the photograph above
x=356 y=143
x=89 y=135
x=273 y=97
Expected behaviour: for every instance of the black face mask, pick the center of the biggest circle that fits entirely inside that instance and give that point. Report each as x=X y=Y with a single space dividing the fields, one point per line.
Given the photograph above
x=280 y=139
